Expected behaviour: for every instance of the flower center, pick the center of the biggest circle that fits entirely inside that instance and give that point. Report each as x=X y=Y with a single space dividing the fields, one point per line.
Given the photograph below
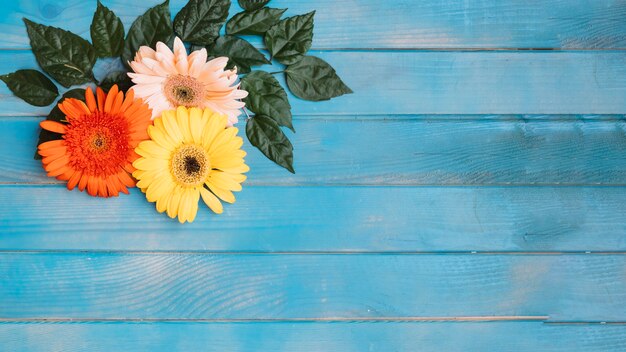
x=183 y=90
x=190 y=165
x=98 y=143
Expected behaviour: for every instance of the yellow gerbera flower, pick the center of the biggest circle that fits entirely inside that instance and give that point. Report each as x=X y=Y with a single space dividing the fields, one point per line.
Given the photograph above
x=192 y=154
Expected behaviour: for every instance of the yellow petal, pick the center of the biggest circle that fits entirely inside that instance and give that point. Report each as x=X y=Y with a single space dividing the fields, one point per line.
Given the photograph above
x=217 y=123
x=191 y=216
x=182 y=116
x=222 y=138
x=150 y=164
x=171 y=125
x=159 y=189
x=162 y=203
x=211 y=201
x=160 y=137
x=223 y=194
x=152 y=148
x=196 y=124
x=172 y=207
x=223 y=180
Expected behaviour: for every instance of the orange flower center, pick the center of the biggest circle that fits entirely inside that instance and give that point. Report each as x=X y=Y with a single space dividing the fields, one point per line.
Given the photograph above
x=183 y=90
x=98 y=143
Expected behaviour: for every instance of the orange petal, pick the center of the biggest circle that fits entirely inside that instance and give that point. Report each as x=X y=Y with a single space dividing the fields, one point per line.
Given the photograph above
x=80 y=106
x=92 y=186
x=130 y=97
x=60 y=162
x=110 y=98
x=90 y=99
x=83 y=182
x=125 y=179
x=73 y=181
x=58 y=151
x=117 y=103
x=102 y=188
x=52 y=126
x=101 y=97
x=52 y=144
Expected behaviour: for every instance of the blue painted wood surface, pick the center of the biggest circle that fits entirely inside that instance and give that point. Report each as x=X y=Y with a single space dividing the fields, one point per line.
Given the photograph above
x=470 y=196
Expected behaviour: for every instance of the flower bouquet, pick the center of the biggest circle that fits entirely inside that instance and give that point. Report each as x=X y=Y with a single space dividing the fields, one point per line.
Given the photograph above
x=161 y=118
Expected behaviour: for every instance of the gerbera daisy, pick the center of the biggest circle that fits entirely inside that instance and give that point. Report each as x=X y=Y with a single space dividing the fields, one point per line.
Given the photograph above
x=192 y=154
x=97 y=149
x=167 y=79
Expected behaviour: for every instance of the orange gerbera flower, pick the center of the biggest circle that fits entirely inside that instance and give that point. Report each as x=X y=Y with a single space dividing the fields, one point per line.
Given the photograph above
x=97 y=149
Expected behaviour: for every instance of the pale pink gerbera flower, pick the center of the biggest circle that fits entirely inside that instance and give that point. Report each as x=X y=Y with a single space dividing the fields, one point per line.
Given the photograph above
x=166 y=80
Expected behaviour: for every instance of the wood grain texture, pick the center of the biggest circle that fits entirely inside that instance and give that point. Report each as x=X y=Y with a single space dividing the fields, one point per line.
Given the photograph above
x=408 y=82
x=343 y=219
x=304 y=337
x=270 y=286
x=565 y=24
x=406 y=152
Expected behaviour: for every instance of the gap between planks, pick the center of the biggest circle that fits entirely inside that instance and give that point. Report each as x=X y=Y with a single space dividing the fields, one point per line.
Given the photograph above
x=280 y=253
x=539 y=318
x=418 y=49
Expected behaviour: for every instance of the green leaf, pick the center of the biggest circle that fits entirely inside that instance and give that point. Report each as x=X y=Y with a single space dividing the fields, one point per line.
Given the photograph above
x=251 y=5
x=57 y=115
x=289 y=39
x=267 y=97
x=265 y=134
x=66 y=57
x=256 y=22
x=314 y=79
x=107 y=32
x=32 y=86
x=117 y=77
x=153 y=26
x=199 y=22
x=240 y=53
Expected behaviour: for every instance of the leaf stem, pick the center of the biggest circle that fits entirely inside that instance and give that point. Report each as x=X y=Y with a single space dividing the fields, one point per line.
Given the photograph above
x=246 y=112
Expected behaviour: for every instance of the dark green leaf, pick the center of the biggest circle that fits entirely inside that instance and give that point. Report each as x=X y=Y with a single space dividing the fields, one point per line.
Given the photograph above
x=107 y=32
x=199 y=22
x=267 y=97
x=256 y=22
x=117 y=77
x=314 y=79
x=153 y=26
x=266 y=135
x=32 y=86
x=251 y=5
x=66 y=57
x=57 y=115
x=239 y=52
x=289 y=39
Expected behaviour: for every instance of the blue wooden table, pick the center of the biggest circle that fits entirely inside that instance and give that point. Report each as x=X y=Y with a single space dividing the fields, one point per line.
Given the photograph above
x=469 y=196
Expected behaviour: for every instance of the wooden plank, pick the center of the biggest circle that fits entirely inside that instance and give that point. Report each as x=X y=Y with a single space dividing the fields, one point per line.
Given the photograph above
x=568 y=24
x=486 y=82
x=305 y=219
x=406 y=152
x=269 y=286
x=283 y=336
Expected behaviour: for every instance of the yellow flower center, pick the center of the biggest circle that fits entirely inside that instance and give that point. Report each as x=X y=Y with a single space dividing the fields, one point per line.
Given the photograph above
x=190 y=165
x=183 y=90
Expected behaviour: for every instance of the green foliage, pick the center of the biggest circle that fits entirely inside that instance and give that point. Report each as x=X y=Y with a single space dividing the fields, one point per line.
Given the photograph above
x=251 y=5
x=66 y=57
x=69 y=59
x=153 y=26
x=240 y=53
x=267 y=97
x=199 y=21
x=32 y=86
x=265 y=134
x=107 y=32
x=314 y=79
x=255 y=22
x=289 y=39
